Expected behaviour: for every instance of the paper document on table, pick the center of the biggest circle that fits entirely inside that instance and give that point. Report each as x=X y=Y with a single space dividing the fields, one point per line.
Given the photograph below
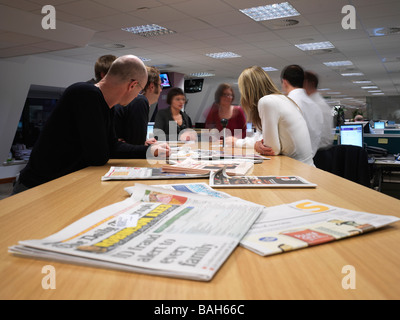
x=222 y=180
x=306 y=223
x=169 y=233
x=144 y=173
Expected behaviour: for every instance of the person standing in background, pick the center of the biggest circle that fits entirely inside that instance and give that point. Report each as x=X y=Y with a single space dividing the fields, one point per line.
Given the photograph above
x=292 y=78
x=222 y=108
x=311 y=82
x=131 y=121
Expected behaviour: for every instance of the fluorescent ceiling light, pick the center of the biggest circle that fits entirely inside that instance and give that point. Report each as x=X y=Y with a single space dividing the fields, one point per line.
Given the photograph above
x=149 y=30
x=370 y=87
x=267 y=69
x=223 y=55
x=270 y=12
x=202 y=74
x=324 y=89
x=353 y=74
x=378 y=94
x=315 y=46
x=375 y=91
x=338 y=63
x=362 y=82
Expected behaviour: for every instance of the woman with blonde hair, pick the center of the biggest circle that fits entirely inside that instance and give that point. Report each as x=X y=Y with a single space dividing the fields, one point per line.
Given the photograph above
x=280 y=120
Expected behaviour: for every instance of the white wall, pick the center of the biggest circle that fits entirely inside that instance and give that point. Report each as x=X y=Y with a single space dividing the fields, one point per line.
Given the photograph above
x=17 y=74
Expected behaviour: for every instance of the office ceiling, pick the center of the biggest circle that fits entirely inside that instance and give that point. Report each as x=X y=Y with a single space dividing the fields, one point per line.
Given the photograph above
x=88 y=29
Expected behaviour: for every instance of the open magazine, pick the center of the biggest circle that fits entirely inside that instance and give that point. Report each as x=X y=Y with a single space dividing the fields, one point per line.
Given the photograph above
x=137 y=173
x=221 y=179
x=235 y=167
x=155 y=231
x=306 y=223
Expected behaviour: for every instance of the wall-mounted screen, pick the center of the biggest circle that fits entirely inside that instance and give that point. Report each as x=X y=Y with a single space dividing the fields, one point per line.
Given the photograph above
x=165 y=81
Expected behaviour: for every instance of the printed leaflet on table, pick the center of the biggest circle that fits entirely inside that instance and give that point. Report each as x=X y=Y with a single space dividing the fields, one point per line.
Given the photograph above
x=306 y=223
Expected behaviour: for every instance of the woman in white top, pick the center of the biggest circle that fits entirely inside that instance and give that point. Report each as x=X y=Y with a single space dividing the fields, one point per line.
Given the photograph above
x=279 y=119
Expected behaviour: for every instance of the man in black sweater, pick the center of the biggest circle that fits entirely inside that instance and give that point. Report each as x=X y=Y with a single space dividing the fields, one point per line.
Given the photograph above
x=80 y=132
x=131 y=120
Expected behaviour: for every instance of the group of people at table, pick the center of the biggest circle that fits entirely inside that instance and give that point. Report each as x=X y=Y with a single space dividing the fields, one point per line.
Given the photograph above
x=107 y=117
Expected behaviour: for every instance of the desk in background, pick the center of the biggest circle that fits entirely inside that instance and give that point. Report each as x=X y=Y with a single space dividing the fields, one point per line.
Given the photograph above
x=311 y=273
x=390 y=142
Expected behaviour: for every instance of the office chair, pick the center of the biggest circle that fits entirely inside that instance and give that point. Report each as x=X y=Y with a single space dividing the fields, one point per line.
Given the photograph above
x=346 y=161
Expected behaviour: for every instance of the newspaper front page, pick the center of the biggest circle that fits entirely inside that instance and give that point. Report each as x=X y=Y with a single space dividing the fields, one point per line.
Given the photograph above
x=137 y=173
x=307 y=223
x=155 y=231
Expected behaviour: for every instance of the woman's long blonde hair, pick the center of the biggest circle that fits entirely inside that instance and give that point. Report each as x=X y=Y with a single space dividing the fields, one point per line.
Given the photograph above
x=254 y=83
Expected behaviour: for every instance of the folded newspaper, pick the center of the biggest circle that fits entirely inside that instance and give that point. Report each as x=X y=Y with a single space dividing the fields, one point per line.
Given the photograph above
x=155 y=231
x=222 y=180
x=306 y=223
x=144 y=173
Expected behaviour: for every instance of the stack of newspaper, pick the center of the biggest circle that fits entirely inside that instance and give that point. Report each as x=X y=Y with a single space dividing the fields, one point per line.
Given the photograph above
x=155 y=231
x=233 y=167
x=189 y=230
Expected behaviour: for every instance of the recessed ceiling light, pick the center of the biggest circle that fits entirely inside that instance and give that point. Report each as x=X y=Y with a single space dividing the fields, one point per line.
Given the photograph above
x=268 y=69
x=378 y=94
x=315 y=46
x=270 y=12
x=374 y=91
x=223 y=55
x=202 y=74
x=369 y=87
x=352 y=74
x=338 y=63
x=362 y=82
x=149 y=30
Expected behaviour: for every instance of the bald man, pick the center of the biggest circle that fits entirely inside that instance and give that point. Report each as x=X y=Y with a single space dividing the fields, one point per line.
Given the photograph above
x=80 y=132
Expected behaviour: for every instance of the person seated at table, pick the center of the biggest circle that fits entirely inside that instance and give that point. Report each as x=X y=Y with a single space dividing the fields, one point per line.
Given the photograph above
x=131 y=121
x=276 y=116
x=222 y=108
x=80 y=130
x=173 y=121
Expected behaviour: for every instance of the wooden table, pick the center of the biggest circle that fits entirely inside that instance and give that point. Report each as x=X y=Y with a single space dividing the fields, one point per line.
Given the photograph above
x=312 y=273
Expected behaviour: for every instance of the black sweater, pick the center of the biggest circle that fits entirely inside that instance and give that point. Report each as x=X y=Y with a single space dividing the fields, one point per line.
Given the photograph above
x=79 y=133
x=131 y=121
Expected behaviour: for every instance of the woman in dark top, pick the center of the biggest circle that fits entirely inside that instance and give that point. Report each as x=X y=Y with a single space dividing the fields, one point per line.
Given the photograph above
x=172 y=120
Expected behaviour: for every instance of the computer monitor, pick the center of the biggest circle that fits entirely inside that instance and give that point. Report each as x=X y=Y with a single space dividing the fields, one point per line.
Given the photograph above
x=352 y=134
x=379 y=125
x=150 y=130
